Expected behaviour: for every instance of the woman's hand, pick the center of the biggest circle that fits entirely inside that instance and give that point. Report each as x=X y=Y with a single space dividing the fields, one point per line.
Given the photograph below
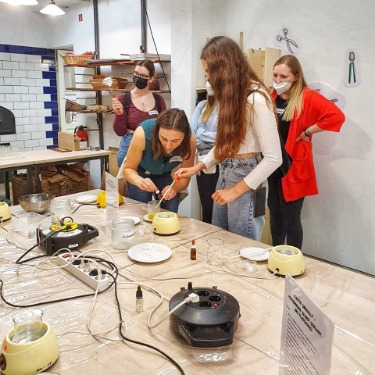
x=171 y=193
x=188 y=172
x=303 y=137
x=222 y=197
x=117 y=107
x=146 y=184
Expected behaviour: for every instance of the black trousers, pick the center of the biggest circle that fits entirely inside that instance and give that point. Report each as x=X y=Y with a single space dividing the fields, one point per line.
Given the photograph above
x=285 y=217
x=206 y=187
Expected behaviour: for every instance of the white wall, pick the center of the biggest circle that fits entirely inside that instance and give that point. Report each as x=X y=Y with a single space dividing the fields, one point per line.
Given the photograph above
x=337 y=222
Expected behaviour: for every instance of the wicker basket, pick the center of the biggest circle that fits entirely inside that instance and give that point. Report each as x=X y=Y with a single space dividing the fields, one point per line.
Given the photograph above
x=53 y=182
x=61 y=180
x=19 y=186
x=78 y=178
x=73 y=106
x=77 y=59
x=117 y=83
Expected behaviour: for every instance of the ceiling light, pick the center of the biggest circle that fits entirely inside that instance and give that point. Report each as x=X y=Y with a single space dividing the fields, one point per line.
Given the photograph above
x=20 y=2
x=52 y=9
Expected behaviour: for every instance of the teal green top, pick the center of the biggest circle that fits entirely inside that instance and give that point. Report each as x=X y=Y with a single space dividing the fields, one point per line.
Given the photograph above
x=161 y=165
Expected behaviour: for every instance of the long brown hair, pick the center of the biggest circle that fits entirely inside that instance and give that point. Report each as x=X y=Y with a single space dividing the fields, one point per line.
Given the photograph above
x=295 y=102
x=232 y=80
x=174 y=119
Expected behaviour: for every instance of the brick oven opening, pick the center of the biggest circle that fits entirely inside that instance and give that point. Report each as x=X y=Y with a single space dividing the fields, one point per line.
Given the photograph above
x=7 y=121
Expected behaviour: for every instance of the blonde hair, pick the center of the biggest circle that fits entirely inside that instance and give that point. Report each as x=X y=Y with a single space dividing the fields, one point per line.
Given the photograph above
x=208 y=108
x=295 y=103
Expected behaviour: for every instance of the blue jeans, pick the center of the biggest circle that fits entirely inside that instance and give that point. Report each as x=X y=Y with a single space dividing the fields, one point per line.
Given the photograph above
x=124 y=147
x=237 y=216
x=161 y=181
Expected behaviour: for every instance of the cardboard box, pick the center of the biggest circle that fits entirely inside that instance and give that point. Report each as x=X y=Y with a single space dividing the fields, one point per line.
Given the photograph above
x=68 y=141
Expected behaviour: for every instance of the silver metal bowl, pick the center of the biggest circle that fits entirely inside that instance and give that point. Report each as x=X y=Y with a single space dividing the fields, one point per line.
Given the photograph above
x=38 y=203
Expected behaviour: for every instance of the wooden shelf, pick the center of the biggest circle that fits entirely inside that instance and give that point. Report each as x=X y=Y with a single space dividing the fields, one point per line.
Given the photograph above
x=108 y=62
x=89 y=111
x=110 y=89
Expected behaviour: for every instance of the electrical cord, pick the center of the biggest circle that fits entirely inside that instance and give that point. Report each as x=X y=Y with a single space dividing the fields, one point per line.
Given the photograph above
x=109 y=264
x=170 y=359
x=20 y=261
x=192 y=297
x=83 y=204
x=156 y=49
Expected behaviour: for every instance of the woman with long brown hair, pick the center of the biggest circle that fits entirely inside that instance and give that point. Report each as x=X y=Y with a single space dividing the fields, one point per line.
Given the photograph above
x=246 y=128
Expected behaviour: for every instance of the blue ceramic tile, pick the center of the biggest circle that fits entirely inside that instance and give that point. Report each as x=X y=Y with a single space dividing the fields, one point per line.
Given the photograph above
x=50 y=90
x=50 y=104
x=49 y=75
x=51 y=134
x=51 y=119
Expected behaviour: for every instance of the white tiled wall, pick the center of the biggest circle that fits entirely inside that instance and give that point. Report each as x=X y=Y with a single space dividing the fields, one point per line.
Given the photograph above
x=28 y=89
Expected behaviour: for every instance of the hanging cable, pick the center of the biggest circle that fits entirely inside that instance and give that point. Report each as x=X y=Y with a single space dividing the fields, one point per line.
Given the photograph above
x=156 y=49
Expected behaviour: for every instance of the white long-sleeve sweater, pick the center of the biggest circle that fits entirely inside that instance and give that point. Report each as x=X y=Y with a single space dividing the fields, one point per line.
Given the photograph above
x=261 y=136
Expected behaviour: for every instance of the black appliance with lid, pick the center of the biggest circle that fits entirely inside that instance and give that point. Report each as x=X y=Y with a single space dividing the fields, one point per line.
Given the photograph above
x=210 y=322
x=7 y=121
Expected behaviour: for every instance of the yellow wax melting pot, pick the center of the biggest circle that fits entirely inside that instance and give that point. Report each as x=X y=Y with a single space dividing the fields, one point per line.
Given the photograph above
x=286 y=259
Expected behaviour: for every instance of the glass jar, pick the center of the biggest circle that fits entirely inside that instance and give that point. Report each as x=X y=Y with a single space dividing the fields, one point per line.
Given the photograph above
x=123 y=233
x=28 y=326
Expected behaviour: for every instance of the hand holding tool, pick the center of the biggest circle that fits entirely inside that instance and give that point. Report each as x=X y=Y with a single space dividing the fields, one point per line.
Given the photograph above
x=108 y=81
x=170 y=186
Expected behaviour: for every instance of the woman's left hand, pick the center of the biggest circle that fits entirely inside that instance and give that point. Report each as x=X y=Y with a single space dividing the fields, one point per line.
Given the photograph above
x=303 y=137
x=222 y=197
x=171 y=193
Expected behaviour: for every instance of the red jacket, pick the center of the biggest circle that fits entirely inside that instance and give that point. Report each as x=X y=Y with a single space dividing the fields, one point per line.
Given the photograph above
x=301 y=179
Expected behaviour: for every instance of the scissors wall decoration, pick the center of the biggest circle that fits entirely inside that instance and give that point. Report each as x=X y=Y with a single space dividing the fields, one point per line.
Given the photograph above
x=283 y=41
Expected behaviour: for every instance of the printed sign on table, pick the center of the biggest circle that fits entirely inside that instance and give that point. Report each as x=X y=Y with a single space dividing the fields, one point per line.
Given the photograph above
x=307 y=334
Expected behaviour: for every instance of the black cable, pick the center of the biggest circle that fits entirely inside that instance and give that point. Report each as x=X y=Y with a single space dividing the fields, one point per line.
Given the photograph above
x=156 y=49
x=170 y=359
x=83 y=204
x=18 y=261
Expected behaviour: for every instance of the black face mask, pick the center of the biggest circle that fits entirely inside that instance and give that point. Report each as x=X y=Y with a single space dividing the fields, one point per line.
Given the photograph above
x=139 y=82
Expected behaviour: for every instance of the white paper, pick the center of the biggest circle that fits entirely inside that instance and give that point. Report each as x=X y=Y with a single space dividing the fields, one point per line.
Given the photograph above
x=111 y=187
x=307 y=334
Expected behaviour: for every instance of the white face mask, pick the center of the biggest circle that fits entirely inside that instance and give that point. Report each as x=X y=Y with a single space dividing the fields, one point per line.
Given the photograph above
x=209 y=90
x=281 y=87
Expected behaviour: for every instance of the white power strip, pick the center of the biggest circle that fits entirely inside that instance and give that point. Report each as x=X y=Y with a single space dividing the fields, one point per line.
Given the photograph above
x=83 y=274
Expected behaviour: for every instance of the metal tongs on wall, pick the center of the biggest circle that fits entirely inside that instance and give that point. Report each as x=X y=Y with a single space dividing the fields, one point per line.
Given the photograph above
x=352 y=78
x=170 y=187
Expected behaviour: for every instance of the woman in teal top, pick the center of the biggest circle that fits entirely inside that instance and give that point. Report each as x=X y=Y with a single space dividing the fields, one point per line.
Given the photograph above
x=159 y=146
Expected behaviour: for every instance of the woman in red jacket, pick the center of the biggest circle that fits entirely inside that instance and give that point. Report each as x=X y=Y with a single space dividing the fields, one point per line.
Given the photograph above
x=302 y=112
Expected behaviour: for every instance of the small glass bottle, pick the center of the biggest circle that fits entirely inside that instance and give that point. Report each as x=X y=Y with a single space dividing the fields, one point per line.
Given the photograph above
x=193 y=251
x=138 y=300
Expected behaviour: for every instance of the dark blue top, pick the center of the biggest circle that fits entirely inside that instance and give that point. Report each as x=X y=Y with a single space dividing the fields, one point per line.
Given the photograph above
x=161 y=165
